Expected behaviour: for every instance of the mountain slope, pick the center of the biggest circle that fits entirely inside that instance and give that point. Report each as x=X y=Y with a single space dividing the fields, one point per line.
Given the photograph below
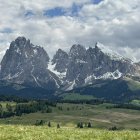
x=13 y=89
x=120 y=90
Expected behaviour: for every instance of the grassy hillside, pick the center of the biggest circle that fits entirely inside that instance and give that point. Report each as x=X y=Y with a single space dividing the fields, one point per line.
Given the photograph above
x=132 y=84
x=15 y=132
x=76 y=96
x=70 y=114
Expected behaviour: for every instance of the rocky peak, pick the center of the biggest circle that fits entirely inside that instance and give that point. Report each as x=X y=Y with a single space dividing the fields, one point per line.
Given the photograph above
x=77 y=51
x=20 y=40
x=97 y=49
x=60 y=54
x=60 y=60
x=20 y=43
x=25 y=63
x=22 y=47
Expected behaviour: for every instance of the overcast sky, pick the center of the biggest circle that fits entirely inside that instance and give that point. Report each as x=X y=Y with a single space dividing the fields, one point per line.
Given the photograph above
x=57 y=24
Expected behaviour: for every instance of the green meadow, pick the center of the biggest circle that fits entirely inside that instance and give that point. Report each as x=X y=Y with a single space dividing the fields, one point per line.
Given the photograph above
x=20 y=132
x=67 y=115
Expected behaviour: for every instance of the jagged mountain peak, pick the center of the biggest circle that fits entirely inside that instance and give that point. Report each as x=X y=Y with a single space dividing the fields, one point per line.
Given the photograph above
x=97 y=48
x=77 y=51
x=59 y=62
x=59 y=55
x=74 y=46
x=22 y=46
x=20 y=42
x=111 y=53
x=27 y=64
x=60 y=51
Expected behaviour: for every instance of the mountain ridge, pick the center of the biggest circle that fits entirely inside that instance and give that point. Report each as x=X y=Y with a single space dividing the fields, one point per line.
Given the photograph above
x=30 y=65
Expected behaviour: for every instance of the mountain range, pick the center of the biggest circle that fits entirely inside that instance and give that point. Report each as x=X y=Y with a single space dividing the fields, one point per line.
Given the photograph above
x=29 y=67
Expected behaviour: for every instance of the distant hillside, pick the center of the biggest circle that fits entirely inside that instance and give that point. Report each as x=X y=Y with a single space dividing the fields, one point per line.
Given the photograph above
x=25 y=91
x=118 y=90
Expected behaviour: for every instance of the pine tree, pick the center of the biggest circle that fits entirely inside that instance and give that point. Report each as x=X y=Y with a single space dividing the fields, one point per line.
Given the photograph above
x=81 y=125
x=78 y=125
x=89 y=125
x=58 y=126
x=49 y=124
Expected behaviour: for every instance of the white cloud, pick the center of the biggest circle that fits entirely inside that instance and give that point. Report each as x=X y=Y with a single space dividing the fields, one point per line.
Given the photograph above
x=113 y=23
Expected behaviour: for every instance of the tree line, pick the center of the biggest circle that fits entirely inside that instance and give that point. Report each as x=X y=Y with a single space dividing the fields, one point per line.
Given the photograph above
x=125 y=106
x=25 y=108
x=92 y=101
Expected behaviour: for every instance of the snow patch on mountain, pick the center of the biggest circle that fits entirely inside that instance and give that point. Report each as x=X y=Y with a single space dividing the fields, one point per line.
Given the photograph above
x=52 y=69
x=89 y=79
x=35 y=51
x=80 y=61
x=9 y=77
x=35 y=79
x=112 y=54
x=71 y=86
x=18 y=51
x=110 y=75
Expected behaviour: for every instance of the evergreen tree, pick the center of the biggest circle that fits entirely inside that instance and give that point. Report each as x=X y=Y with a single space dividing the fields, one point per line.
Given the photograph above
x=58 y=126
x=81 y=125
x=78 y=125
x=89 y=125
x=42 y=122
x=49 y=124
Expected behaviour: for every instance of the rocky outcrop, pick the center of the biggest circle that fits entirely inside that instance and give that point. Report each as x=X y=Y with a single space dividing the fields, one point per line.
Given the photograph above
x=60 y=60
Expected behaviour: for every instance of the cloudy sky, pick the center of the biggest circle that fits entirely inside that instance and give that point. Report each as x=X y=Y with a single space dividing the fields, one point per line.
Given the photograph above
x=57 y=24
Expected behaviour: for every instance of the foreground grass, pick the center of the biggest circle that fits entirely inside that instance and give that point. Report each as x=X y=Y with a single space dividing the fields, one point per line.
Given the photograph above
x=17 y=132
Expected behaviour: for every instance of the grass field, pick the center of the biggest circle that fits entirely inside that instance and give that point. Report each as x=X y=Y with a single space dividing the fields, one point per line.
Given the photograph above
x=68 y=115
x=17 y=132
x=76 y=96
x=71 y=114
